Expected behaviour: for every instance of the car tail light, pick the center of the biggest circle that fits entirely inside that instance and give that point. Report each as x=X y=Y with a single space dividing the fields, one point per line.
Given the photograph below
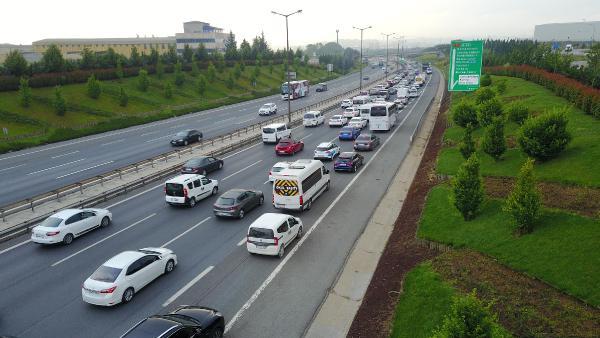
x=301 y=200
x=185 y=192
x=52 y=233
x=165 y=188
x=109 y=290
x=270 y=172
x=276 y=241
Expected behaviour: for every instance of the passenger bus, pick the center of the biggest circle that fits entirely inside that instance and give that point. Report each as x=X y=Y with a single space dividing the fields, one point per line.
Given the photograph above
x=360 y=100
x=383 y=116
x=297 y=186
x=298 y=89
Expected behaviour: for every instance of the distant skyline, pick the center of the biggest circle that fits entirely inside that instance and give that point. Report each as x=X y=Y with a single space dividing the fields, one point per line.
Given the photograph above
x=435 y=20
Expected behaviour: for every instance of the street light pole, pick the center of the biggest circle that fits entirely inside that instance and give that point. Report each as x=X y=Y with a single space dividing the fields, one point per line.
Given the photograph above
x=387 y=52
x=287 y=61
x=337 y=36
x=361 y=54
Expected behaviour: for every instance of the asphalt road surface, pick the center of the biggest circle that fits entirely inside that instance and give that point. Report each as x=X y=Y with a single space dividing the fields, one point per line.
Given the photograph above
x=41 y=169
x=40 y=293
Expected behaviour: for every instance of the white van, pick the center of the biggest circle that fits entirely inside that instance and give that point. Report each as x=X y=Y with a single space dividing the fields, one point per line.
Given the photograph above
x=313 y=118
x=271 y=233
x=187 y=189
x=360 y=100
x=296 y=187
x=272 y=133
x=365 y=111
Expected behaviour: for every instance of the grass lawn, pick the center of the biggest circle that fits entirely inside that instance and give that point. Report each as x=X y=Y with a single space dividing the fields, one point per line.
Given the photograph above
x=573 y=166
x=562 y=250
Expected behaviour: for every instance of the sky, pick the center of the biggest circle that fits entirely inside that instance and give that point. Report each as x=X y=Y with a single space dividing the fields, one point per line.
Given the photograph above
x=432 y=21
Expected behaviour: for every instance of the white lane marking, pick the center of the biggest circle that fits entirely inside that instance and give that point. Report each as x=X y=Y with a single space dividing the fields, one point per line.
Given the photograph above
x=56 y=166
x=112 y=142
x=307 y=234
x=239 y=171
x=187 y=286
x=242 y=122
x=13 y=167
x=185 y=232
x=267 y=181
x=241 y=151
x=150 y=133
x=102 y=240
x=242 y=242
x=14 y=246
x=134 y=196
x=177 y=126
x=66 y=154
x=158 y=138
x=305 y=137
x=88 y=168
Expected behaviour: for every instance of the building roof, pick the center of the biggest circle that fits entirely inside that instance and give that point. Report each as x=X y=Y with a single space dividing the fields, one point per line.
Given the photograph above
x=168 y=39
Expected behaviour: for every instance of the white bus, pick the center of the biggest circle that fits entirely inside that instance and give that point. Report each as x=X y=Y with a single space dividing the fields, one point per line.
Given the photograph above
x=298 y=89
x=383 y=116
x=360 y=100
x=365 y=111
x=297 y=186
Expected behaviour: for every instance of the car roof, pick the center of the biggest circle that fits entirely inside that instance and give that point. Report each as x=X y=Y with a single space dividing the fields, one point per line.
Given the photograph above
x=66 y=213
x=154 y=326
x=274 y=125
x=282 y=164
x=233 y=192
x=123 y=259
x=337 y=116
x=269 y=220
x=347 y=154
x=325 y=144
x=183 y=178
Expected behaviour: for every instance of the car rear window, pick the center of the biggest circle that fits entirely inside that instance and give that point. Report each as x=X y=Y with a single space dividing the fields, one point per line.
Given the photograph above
x=106 y=274
x=346 y=156
x=174 y=189
x=363 y=137
x=347 y=130
x=261 y=233
x=336 y=117
x=268 y=130
x=309 y=116
x=225 y=201
x=323 y=148
x=51 y=222
x=277 y=169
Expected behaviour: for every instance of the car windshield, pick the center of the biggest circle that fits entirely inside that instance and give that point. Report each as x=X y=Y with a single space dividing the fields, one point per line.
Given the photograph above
x=51 y=222
x=174 y=189
x=268 y=130
x=106 y=274
x=347 y=130
x=323 y=148
x=226 y=201
x=309 y=116
x=284 y=143
x=181 y=134
x=261 y=233
x=364 y=137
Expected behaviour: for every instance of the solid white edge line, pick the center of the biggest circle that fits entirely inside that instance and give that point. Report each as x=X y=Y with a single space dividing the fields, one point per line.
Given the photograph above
x=291 y=253
x=185 y=232
x=239 y=171
x=242 y=242
x=267 y=181
x=82 y=170
x=102 y=240
x=187 y=286
x=306 y=136
x=14 y=246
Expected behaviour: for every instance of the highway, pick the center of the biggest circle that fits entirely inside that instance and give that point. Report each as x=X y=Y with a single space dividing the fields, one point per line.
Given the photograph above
x=45 y=168
x=40 y=294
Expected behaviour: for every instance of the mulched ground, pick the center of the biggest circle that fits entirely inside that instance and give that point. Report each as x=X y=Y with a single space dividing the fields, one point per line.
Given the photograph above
x=402 y=251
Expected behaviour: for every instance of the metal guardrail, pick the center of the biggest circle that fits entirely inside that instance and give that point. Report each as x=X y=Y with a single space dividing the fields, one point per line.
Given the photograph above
x=31 y=203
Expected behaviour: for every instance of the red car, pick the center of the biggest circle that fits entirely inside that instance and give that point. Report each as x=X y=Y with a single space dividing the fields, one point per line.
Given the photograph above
x=288 y=146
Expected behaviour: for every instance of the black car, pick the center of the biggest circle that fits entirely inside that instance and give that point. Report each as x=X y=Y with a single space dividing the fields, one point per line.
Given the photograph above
x=186 y=321
x=183 y=138
x=322 y=87
x=202 y=165
x=366 y=142
x=348 y=161
x=237 y=202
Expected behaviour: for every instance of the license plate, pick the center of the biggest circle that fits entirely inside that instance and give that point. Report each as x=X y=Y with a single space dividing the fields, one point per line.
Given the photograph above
x=222 y=214
x=173 y=199
x=39 y=236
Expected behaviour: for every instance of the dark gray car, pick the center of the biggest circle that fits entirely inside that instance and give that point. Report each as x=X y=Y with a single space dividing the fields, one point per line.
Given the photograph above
x=237 y=202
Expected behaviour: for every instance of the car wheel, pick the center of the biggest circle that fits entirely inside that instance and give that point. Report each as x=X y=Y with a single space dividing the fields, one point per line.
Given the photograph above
x=241 y=215
x=214 y=191
x=185 y=143
x=127 y=295
x=299 y=234
x=354 y=169
x=217 y=333
x=68 y=239
x=281 y=251
x=170 y=266
x=261 y=201
x=192 y=202
x=105 y=222
x=327 y=186
x=308 y=205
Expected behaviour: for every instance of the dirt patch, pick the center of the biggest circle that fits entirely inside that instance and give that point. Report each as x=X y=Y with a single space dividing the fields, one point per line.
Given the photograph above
x=525 y=306
x=581 y=200
x=402 y=251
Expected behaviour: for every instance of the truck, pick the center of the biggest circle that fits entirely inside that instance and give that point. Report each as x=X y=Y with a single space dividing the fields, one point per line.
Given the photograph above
x=420 y=79
x=298 y=89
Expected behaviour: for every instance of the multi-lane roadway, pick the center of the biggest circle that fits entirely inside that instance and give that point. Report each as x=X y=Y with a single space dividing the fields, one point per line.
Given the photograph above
x=40 y=293
x=32 y=171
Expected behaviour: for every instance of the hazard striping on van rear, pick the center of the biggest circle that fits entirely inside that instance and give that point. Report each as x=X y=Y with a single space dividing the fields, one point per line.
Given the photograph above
x=286 y=187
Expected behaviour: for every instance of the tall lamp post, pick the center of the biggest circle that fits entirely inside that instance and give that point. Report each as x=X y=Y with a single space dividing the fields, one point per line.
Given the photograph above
x=398 y=51
x=387 y=52
x=287 y=59
x=361 y=55
x=337 y=36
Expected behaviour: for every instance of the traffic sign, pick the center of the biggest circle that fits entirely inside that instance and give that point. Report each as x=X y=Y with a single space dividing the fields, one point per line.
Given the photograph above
x=465 y=65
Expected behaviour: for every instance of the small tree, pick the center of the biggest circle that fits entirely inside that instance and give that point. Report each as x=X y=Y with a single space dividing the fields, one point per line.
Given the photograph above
x=467 y=188
x=483 y=94
x=501 y=87
x=160 y=69
x=467 y=145
x=123 y=97
x=59 y=103
x=545 y=136
x=52 y=59
x=253 y=79
x=237 y=71
x=211 y=72
x=119 y=71
x=464 y=113
x=230 y=82
x=195 y=70
x=486 y=80
x=179 y=77
x=201 y=86
x=517 y=112
x=256 y=71
x=93 y=87
x=242 y=66
x=523 y=203
x=468 y=318
x=494 y=143
x=488 y=110
x=24 y=93
x=168 y=90
x=270 y=66
x=143 y=81
x=15 y=64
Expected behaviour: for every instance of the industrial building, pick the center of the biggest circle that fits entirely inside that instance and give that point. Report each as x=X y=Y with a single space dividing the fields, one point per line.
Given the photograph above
x=584 y=31
x=197 y=32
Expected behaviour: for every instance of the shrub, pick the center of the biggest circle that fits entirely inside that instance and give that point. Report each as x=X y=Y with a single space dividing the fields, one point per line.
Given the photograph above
x=59 y=103
x=501 y=87
x=467 y=188
x=143 y=80
x=93 y=87
x=493 y=142
x=24 y=93
x=211 y=72
x=123 y=97
x=179 y=77
x=237 y=71
x=488 y=110
x=201 y=86
x=168 y=90
x=160 y=69
x=464 y=113
x=517 y=112
x=119 y=71
x=484 y=94
x=467 y=145
x=230 y=82
x=523 y=203
x=486 y=80
x=195 y=69
x=545 y=136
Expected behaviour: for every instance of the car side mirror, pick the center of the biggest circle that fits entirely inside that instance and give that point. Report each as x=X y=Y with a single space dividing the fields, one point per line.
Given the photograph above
x=326 y=171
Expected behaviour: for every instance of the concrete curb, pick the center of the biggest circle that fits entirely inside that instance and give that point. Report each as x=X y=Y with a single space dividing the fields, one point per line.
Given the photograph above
x=336 y=313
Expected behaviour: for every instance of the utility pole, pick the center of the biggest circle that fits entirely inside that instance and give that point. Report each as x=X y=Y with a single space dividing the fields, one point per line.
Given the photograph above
x=387 y=52
x=287 y=61
x=361 y=54
x=337 y=36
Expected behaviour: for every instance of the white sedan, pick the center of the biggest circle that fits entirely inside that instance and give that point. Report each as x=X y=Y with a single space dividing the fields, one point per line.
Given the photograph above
x=337 y=121
x=67 y=224
x=350 y=112
x=267 y=109
x=357 y=122
x=117 y=280
x=346 y=103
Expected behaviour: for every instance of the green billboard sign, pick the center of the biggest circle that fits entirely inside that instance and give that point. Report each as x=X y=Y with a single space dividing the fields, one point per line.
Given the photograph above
x=465 y=65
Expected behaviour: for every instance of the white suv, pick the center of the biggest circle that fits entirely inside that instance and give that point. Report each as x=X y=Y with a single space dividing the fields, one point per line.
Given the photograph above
x=187 y=189
x=313 y=118
x=271 y=233
x=346 y=103
x=272 y=133
x=268 y=109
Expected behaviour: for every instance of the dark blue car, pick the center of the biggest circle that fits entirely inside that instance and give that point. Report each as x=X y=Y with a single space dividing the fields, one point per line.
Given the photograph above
x=349 y=133
x=348 y=161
